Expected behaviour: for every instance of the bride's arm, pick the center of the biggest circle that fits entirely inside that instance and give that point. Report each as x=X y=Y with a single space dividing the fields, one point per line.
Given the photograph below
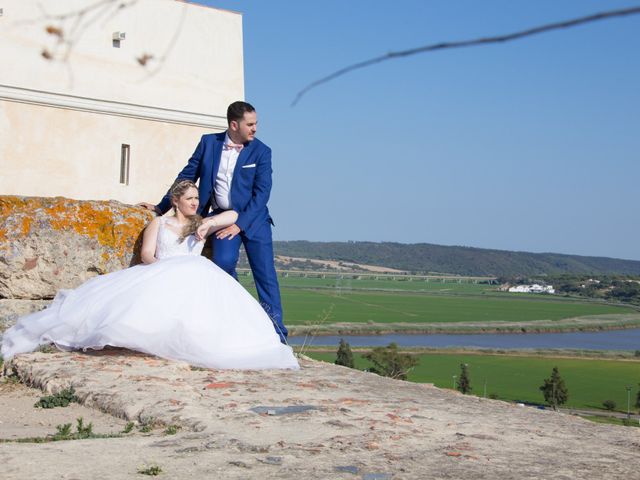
x=216 y=222
x=149 y=240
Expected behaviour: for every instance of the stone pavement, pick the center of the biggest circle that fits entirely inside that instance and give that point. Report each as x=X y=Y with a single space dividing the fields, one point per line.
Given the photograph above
x=323 y=421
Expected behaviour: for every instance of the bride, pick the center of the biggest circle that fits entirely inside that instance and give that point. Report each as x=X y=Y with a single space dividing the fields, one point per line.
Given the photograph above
x=178 y=305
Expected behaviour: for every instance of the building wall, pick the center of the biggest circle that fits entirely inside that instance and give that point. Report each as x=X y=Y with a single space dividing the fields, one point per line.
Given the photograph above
x=63 y=121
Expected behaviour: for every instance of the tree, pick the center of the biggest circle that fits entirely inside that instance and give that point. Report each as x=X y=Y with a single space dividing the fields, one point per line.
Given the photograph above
x=609 y=405
x=554 y=390
x=464 y=382
x=389 y=362
x=344 y=355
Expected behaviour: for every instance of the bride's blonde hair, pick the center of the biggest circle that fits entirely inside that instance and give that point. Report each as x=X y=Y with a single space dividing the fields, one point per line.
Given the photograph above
x=177 y=190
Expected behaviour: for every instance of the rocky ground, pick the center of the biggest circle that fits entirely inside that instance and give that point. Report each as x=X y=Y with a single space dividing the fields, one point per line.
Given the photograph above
x=323 y=421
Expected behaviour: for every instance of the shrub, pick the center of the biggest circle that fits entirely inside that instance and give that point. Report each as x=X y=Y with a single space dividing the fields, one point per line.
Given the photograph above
x=344 y=354
x=389 y=362
x=61 y=399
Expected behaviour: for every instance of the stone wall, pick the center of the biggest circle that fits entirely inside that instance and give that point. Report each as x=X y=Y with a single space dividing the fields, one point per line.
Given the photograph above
x=51 y=243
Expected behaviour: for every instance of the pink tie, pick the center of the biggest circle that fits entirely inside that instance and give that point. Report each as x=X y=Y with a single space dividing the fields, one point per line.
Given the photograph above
x=235 y=146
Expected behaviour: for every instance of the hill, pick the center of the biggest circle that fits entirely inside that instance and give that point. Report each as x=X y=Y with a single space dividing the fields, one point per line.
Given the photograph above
x=425 y=257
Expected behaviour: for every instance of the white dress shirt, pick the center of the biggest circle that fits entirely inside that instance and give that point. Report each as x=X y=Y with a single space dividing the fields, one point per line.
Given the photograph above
x=222 y=188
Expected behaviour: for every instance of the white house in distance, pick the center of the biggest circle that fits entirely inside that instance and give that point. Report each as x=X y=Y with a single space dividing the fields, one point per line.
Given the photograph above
x=99 y=101
x=535 y=288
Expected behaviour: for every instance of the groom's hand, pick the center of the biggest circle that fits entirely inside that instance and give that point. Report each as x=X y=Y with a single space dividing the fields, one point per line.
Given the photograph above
x=229 y=233
x=149 y=206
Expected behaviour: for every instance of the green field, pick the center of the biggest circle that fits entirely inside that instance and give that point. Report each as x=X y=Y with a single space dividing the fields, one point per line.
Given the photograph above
x=305 y=306
x=517 y=378
x=309 y=300
x=385 y=284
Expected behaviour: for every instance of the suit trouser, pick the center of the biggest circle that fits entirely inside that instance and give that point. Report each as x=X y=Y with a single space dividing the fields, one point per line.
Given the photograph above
x=259 y=251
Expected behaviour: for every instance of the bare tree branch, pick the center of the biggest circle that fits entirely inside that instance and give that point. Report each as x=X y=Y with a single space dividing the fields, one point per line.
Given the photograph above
x=66 y=30
x=76 y=23
x=146 y=57
x=468 y=43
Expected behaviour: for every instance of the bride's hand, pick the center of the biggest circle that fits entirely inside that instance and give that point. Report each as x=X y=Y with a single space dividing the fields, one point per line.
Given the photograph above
x=202 y=231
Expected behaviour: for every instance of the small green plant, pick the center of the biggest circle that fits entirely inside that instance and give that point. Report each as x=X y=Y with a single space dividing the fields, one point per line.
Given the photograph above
x=47 y=348
x=152 y=470
x=171 y=430
x=128 y=427
x=63 y=432
x=147 y=425
x=609 y=405
x=12 y=379
x=61 y=399
x=83 y=431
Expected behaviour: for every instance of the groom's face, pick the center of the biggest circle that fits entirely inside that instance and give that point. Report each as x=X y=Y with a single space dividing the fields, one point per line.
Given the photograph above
x=244 y=130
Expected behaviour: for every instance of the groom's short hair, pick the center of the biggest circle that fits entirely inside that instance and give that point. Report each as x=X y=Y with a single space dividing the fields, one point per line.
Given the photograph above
x=236 y=111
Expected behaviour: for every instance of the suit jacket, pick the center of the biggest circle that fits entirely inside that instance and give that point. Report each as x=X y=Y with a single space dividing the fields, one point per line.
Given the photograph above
x=250 y=188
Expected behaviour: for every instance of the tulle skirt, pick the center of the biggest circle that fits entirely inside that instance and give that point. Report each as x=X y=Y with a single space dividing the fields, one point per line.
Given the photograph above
x=182 y=308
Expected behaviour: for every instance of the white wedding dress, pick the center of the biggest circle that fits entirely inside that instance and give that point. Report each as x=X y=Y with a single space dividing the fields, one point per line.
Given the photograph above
x=182 y=307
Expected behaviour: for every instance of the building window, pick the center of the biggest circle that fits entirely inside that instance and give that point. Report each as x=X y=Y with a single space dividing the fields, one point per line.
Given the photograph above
x=124 y=164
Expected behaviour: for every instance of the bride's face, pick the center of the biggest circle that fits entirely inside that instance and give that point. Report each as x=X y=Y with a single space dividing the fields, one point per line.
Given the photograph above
x=187 y=204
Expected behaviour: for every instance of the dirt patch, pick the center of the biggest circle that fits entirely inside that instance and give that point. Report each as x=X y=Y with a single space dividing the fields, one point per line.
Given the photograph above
x=20 y=419
x=336 y=265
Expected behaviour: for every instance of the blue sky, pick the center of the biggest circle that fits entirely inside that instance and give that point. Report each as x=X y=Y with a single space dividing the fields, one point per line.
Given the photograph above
x=531 y=145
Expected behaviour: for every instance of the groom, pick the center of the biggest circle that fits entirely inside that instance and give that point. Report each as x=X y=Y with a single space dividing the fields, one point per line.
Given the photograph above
x=234 y=169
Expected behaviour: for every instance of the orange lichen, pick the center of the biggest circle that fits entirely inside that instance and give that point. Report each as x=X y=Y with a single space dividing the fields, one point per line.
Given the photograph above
x=14 y=217
x=115 y=227
x=26 y=225
x=97 y=220
x=10 y=204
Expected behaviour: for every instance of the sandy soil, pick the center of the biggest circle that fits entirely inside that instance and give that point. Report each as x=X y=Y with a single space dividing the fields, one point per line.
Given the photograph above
x=20 y=419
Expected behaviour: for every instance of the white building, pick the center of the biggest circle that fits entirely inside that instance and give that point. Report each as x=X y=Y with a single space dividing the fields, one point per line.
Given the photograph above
x=535 y=288
x=81 y=117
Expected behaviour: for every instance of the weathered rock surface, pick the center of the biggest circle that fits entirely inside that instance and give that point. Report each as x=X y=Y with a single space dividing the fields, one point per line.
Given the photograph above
x=51 y=243
x=12 y=309
x=323 y=421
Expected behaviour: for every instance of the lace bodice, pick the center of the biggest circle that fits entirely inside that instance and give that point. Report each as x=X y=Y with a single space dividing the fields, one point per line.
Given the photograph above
x=167 y=243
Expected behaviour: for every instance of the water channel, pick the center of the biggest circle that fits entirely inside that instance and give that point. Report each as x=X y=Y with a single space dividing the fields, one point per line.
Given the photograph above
x=604 y=340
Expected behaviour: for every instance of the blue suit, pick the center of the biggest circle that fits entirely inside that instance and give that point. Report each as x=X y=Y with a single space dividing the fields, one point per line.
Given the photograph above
x=250 y=190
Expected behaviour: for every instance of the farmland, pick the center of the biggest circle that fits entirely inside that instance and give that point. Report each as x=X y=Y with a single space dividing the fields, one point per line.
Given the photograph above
x=517 y=377
x=406 y=305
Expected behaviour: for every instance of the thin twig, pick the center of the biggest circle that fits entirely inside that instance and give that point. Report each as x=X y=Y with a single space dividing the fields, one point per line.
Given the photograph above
x=311 y=334
x=172 y=43
x=468 y=43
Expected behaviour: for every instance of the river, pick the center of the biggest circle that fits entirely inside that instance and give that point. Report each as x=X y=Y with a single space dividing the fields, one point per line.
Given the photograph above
x=605 y=340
